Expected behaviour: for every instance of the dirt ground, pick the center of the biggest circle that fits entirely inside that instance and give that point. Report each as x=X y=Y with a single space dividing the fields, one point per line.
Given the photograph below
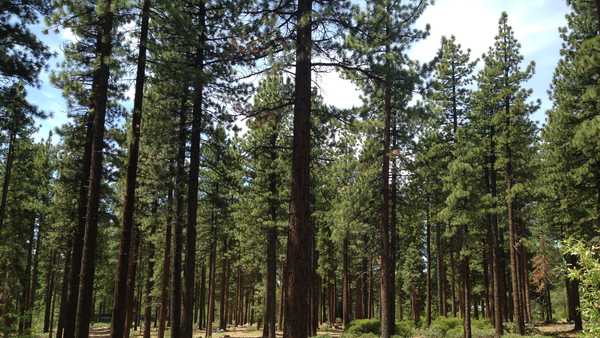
x=233 y=332
x=560 y=330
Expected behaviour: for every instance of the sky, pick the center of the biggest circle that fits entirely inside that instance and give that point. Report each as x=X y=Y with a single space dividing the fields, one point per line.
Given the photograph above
x=473 y=22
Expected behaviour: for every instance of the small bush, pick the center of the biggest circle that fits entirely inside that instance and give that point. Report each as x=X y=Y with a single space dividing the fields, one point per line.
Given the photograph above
x=457 y=332
x=364 y=328
x=404 y=329
x=360 y=326
x=453 y=328
x=481 y=324
x=519 y=336
x=364 y=335
x=440 y=327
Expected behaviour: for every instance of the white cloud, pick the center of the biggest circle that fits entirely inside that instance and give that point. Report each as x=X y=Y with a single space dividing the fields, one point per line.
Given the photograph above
x=337 y=91
x=67 y=34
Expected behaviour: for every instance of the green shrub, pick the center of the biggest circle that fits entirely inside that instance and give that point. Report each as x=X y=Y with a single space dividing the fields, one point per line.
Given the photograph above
x=404 y=329
x=452 y=327
x=457 y=332
x=588 y=274
x=481 y=324
x=363 y=335
x=519 y=336
x=440 y=327
x=362 y=327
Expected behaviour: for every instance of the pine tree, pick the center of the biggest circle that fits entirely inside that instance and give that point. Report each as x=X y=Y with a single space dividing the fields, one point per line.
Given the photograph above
x=381 y=48
x=23 y=55
x=512 y=132
x=18 y=120
x=450 y=102
x=568 y=164
x=118 y=316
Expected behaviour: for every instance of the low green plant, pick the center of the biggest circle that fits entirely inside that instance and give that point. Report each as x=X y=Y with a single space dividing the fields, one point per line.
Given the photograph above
x=363 y=335
x=404 y=329
x=363 y=328
x=440 y=327
x=452 y=327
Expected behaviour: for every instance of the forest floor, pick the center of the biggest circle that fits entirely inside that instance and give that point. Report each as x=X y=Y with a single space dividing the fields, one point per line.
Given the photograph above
x=560 y=330
x=233 y=332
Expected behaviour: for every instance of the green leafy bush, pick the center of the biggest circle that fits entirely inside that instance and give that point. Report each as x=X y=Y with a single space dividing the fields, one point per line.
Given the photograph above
x=481 y=324
x=360 y=326
x=363 y=335
x=452 y=327
x=588 y=274
x=365 y=328
x=440 y=327
x=404 y=329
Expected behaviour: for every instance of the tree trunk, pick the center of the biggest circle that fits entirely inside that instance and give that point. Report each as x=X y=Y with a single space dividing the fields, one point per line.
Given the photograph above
x=72 y=294
x=386 y=288
x=440 y=278
x=514 y=241
x=332 y=303
x=192 y=197
x=524 y=284
x=120 y=291
x=497 y=276
x=414 y=301
x=453 y=282
x=202 y=299
x=138 y=303
x=429 y=291
x=150 y=276
x=300 y=232
x=486 y=281
x=26 y=285
x=316 y=297
x=34 y=274
x=346 y=282
x=131 y=278
x=52 y=310
x=466 y=297
x=393 y=235
x=573 y=301
x=224 y=287
x=371 y=303
x=361 y=290
x=283 y=292
x=164 y=282
x=178 y=228
x=7 y=174
x=548 y=305
x=211 y=280
x=48 y=297
x=63 y=294
x=100 y=93
x=270 y=303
